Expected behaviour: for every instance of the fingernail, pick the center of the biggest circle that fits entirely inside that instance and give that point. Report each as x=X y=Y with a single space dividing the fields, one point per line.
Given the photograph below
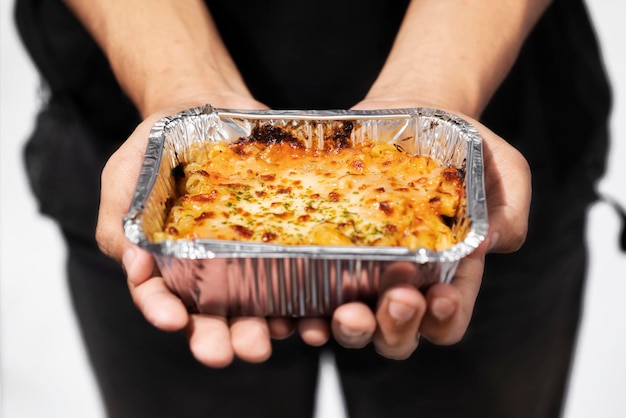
x=401 y=311
x=442 y=308
x=351 y=333
x=128 y=258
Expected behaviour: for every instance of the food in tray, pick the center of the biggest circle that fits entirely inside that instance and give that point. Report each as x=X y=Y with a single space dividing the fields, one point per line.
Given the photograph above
x=270 y=187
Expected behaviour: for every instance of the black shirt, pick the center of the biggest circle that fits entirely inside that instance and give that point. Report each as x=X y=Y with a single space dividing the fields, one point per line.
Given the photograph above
x=553 y=106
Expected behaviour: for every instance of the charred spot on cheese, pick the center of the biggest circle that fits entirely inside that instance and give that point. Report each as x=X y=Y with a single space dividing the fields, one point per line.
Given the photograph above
x=269 y=236
x=386 y=208
x=201 y=172
x=204 y=215
x=202 y=197
x=450 y=175
x=269 y=187
x=281 y=215
x=242 y=231
x=267 y=134
x=341 y=136
x=167 y=205
x=357 y=165
x=334 y=196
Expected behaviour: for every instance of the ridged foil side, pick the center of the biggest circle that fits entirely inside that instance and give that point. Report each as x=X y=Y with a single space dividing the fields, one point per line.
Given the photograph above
x=240 y=278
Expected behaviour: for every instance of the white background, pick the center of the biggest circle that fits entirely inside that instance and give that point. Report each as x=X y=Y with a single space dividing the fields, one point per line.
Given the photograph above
x=43 y=367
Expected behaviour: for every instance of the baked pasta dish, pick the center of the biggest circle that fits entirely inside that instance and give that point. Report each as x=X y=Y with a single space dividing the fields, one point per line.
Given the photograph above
x=270 y=187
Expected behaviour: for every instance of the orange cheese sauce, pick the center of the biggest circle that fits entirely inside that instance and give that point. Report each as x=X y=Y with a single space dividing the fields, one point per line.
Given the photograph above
x=281 y=192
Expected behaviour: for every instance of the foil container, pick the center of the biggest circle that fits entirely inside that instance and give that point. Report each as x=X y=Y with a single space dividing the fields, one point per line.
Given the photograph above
x=260 y=279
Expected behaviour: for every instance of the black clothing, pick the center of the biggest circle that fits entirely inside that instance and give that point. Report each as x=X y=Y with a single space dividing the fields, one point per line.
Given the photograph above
x=513 y=362
x=515 y=358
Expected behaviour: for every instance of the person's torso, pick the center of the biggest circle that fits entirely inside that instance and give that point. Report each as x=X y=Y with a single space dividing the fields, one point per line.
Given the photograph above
x=325 y=55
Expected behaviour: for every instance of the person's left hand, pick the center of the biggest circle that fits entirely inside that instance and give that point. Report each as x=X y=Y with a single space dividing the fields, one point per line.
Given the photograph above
x=442 y=312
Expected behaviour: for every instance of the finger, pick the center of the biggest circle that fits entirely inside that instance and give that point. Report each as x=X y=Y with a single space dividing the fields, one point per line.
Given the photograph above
x=314 y=331
x=138 y=265
x=509 y=192
x=209 y=340
x=281 y=328
x=250 y=338
x=450 y=306
x=353 y=325
x=119 y=178
x=158 y=305
x=150 y=293
x=399 y=315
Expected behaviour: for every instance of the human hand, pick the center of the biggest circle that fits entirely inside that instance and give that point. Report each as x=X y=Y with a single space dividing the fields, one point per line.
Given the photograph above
x=146 y=61
x=214 y=340
x=442 y=313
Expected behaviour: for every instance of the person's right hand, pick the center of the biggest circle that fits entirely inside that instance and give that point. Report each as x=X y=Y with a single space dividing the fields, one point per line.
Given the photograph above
x=213 y=340
x=180 y=62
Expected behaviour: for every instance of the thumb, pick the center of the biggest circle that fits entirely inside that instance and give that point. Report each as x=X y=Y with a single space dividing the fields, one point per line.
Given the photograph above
x=118 y=182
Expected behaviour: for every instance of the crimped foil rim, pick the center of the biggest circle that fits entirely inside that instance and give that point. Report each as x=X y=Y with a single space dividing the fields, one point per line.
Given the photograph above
x=207 y=249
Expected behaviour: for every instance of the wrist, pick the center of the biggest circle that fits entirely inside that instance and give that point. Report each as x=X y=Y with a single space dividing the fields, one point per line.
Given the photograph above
x=184 y=91
x=454 y=97
x=183 y=97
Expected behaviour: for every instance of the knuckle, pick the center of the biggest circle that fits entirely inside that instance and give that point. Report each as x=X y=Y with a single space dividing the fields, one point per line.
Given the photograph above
x=449 y=333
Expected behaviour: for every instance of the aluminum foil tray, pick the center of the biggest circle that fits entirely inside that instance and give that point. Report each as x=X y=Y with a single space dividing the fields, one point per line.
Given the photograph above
x=241 y=278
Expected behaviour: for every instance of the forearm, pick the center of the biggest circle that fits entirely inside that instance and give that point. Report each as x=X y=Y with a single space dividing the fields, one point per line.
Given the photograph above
x=161 y=50
x=456 y=52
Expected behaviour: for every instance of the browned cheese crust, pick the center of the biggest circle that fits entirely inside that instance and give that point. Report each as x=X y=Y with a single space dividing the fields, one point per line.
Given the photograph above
x=282 y=192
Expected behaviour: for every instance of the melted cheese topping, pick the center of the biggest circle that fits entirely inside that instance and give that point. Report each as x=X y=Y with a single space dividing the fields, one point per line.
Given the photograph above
x=285 y=193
